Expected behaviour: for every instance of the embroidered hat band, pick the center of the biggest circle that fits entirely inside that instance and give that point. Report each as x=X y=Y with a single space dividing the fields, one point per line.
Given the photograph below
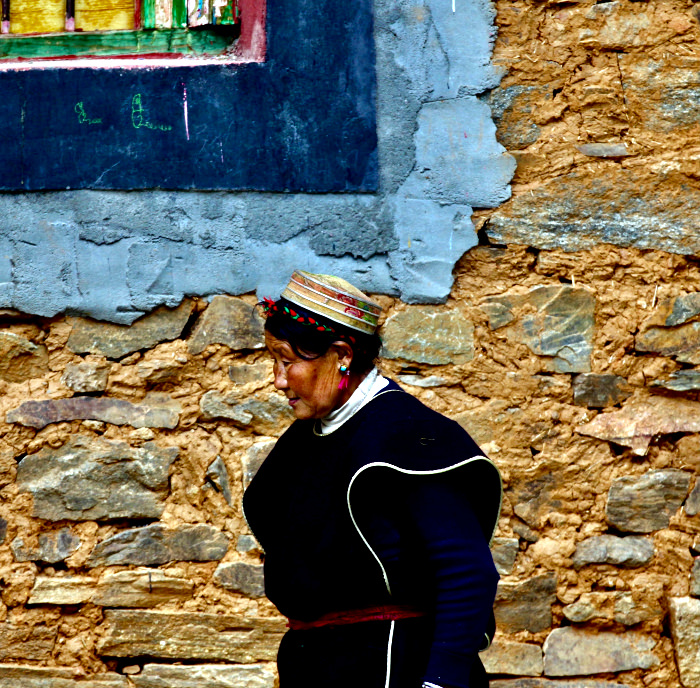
x=335 y=299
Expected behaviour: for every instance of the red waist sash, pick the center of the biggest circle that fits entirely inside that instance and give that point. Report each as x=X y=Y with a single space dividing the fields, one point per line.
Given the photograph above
x=387 y=612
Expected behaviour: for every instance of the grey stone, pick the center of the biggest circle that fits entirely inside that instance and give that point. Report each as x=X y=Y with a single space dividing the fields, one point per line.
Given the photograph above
x=511 y=108
x=524 y=531
x=38 y=414
x=35 y=643
x=191 y=636
x=229 y=321
x=217 y=475
x=51 y=547
x=547 y=683
x=504 y=551
x=155 y=545
x=628 y=610
x=264 y=413
x=678 y=310
x=692 y=503
x=62 y=591
x=559 y=325
x=695 y=578
x=247 y=543
x=680 y=381
x=256 y=374
x=93 y=478
x=18 y=676
x=253 y=458
x=140 y=588
x=682 y=342
x=241 y=577
x=646 y=503
x=3 y=530
x=429 y=335
x=622 y=607
x=205 y=676
x=21 y=359
x=642 y=419
x=685 y=632
x=604 y=150
x=598 y=391
x=526 y=606
x=422 y=381
x=573 y=652
x=86 y=377
x=159 y=370
x=515 y=659
x=627 y=552
x=117 y=341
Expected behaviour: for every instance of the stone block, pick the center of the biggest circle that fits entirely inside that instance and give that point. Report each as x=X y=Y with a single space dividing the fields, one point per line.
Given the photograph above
x=38 y=414
x=159 y=370
x=3 y=530
x=695 y=578
x=682 y=343
x=62 y=591
x=93 y=478
x=191 y=636
x=626 y=608
x=49 y=547
x=242 y=577
x=556 y=323
x=504 y=551
x=641 y=419
x=154 y=545
x=692 y=504
x=427 y=334
x=680 y=381
x=511 y=109
x=246 y=544
x=626 y=552
x=86 y=377
x=117 y=341
x=140 y=588
x=229 y=321
x=253 y=458
x=646 y=503
x=21 y=359
x=35 y=643
x=514 y=659
x=217 y=475
x=604 y=150
x=18 y=676
x=685 y=631
x=547 y=683
x=526 y=606
x=205 y=676
x=573 y=652
x=256 y=375
x=264 y=413
x=598 y=391
x=425 y=382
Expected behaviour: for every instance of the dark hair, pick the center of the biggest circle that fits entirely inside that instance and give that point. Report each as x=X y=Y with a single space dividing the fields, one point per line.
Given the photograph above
x=309 y=343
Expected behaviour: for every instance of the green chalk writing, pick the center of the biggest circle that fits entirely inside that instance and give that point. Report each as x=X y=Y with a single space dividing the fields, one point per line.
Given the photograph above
x=138 y=119
x=82 y=115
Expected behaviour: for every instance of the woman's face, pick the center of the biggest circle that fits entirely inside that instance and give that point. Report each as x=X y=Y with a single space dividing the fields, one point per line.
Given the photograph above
x=310 y=386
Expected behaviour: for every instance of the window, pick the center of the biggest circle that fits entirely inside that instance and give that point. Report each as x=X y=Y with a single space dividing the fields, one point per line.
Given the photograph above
x=41 y=29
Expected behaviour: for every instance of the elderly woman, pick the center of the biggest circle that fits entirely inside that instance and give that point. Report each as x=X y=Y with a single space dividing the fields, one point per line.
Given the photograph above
x=375 y=513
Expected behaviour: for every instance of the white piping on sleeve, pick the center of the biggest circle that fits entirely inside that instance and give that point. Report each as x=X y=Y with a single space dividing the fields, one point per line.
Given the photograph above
x=388 y=654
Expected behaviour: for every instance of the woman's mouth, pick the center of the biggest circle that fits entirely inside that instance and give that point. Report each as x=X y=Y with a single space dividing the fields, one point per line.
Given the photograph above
x=293 y=401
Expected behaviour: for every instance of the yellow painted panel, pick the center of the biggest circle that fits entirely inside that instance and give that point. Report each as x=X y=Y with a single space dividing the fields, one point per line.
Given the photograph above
x=104 y=15
x=32 y=16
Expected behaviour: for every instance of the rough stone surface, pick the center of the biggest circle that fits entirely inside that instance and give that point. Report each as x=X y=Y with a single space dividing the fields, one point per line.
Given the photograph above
x=247 y=543
x=256 y=374
x=18 y=676
x=117 y=341
x=646 y=503
x=205 y=676
x=140 y=588
x=558 y=324
x=183 y=635
x=598 y=391
x=38 y=414
x=265 y=413
x=421 y=381
x=547 y=683
x=682 y=342
x=695 y=579
x=429 y=335
x=514 y=659
x=253 y=458
x=19 y=642
x=50 y=547
x=526 y=606
x=217 y=475
x=604 y=150
x=685 y=630
x=228 y=321
x=680 y=381
x=91 y=478
x=155 y=544
x=64 y=590
x=504 y=551
x=626 y=608
x=511 y=107
x=627 y=552
x=86 y=377
x=573 y=652
x=21 y=359
x=640 y=420
x=241 y=577
x=692 y=504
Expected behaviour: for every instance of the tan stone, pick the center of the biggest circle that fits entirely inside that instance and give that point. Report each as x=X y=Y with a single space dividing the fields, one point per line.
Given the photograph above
x=17 y=676
x=514 y=659
x=526 y=605
x=21 y=359
x=26 y=642
x=685 y=630
x=140 y=588
x=183 y=635
x=205 y=676
x=64 y=590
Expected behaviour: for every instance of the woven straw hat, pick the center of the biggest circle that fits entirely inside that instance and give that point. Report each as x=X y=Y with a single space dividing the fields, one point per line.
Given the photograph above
x=335 y=299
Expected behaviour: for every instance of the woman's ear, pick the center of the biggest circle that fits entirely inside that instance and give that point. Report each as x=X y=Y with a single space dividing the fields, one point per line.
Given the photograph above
x=344 y=351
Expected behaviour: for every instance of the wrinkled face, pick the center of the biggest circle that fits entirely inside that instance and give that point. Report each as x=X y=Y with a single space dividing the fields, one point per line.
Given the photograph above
x=310 y=386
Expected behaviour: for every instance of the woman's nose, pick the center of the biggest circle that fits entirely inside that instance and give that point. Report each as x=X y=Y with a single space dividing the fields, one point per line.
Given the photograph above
x=280 y=377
